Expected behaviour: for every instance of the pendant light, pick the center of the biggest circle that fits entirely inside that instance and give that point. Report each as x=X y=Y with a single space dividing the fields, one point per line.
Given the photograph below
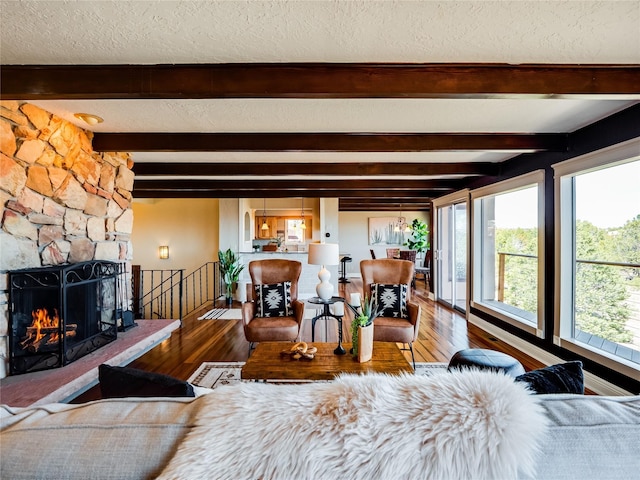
x=264 y=215
x=303 y=226
x=401 y=224
x=396 y=226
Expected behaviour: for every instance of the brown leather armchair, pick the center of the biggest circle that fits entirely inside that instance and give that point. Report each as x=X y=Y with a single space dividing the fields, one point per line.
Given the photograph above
x=273 y=329
x=390 y=329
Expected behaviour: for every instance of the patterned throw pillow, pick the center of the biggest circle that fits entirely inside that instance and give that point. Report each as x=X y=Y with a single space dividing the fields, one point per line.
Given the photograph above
x=273 y=300
x=391 y=299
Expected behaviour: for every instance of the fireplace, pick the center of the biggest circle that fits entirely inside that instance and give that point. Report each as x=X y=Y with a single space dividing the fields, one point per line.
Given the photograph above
x=59 y=314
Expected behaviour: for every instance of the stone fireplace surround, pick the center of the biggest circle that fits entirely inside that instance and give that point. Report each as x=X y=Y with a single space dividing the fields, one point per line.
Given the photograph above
x=62 y=202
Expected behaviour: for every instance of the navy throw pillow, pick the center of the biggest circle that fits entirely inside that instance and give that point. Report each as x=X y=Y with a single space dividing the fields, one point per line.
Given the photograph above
x=120 y=382
x=561 y=378
x=273 y=300
x=391 y=299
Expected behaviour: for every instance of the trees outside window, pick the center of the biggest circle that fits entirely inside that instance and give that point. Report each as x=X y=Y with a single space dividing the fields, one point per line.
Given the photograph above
x=599 y=256
x=508 y=225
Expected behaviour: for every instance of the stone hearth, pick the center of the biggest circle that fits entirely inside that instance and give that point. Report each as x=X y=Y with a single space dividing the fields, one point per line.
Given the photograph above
x=62 y=202
x=64 y=384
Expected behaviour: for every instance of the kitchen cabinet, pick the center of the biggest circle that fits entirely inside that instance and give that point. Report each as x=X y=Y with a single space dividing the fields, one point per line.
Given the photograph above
x=271 y=232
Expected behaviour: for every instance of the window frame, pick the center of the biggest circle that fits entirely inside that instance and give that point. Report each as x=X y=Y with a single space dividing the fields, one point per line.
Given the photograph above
x=564 y=218
x=535 y=178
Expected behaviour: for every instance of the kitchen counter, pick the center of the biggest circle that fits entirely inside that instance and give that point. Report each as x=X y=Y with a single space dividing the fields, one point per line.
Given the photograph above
x=272 y=253
x=308 y=277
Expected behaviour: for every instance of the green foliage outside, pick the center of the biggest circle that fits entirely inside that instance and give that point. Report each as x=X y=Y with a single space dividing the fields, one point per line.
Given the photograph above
x=601 y=290
x=628 y=248
x=520 y=273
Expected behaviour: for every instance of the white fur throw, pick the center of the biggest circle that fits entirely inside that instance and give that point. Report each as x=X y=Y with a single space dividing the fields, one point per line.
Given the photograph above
x=460 y=425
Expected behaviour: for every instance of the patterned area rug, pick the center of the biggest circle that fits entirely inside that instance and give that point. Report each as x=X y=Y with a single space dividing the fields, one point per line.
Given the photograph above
x=236 y=314
x=222 y=314
x=214 y=374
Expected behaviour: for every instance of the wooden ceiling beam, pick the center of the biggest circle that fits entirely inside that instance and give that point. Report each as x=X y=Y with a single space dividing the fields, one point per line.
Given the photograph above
x=317 y=80
x=396 y=196
x=293 y=185
x=355 y=169
x=377 y=204
x=327 y=142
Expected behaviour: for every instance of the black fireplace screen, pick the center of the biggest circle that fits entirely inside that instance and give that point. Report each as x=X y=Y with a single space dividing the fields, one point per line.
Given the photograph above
x=59 y=314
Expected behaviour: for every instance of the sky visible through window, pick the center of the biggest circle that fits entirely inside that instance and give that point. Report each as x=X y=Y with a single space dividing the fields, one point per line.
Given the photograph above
x=610 y=197
x=607 y=198
x=518 y=209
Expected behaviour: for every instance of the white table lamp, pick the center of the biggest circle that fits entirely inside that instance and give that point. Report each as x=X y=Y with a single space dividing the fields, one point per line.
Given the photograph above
x=324 y=254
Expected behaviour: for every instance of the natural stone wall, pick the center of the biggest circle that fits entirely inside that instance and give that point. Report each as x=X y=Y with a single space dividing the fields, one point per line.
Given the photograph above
x=61 y=201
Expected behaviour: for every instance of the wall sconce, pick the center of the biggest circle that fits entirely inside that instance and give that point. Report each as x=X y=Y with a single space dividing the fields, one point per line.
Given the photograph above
x=163 y=252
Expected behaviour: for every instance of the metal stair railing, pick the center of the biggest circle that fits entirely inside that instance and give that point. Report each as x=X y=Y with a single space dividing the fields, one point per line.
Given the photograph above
x=157 y=293
x=203 y=285
x=169 y=294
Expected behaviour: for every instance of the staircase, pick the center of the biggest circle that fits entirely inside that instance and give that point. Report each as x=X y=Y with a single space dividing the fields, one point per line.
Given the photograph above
x=171 y=294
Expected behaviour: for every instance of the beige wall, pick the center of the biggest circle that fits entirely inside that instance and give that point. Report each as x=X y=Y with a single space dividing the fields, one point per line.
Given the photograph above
x=188 y=226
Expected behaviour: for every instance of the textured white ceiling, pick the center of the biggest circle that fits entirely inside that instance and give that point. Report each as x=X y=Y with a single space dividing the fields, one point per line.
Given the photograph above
x=157 y=32
x=74 y=32
x=344 y=115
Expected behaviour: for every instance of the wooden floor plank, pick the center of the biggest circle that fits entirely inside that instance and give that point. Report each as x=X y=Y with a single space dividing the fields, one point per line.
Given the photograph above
x=443 y=332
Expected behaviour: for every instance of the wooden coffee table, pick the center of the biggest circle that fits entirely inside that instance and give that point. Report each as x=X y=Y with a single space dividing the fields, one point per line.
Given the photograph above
x=266 y=363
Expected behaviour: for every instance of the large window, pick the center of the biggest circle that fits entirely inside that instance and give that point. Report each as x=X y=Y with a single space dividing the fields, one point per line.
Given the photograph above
x=599 y=255
x=508 y=250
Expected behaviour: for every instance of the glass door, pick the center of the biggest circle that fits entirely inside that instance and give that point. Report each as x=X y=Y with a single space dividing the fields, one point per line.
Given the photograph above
x=451 y=255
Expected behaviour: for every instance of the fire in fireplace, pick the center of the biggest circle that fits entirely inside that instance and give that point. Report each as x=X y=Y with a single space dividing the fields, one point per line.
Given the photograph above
x=45 y=330
x=59 y=314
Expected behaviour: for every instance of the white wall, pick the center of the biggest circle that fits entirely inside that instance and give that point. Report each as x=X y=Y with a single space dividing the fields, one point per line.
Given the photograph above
x=354 y=236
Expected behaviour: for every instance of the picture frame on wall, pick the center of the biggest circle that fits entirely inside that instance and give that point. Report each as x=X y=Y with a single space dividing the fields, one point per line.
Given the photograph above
x=381 y=231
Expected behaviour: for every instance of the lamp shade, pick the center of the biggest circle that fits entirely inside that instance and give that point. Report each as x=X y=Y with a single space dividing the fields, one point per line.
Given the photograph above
x=163 y=252
x=323 y=254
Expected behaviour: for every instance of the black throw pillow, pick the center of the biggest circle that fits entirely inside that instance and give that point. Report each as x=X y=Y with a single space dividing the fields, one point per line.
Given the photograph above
x=273 y=300
x=119 y=382
x=391 y=299
x=561 y=378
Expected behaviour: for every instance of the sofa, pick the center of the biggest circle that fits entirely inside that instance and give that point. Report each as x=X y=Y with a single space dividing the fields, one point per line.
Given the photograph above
x=462 y=424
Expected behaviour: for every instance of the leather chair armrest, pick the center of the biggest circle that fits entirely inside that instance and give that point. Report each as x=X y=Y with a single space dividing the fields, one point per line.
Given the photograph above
x=248 y=312
x=298 y=310
x=415 y=312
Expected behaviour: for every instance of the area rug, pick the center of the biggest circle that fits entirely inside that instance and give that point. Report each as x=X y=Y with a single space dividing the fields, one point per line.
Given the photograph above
x=214 y=374
x=236 y=314
x=222 y=314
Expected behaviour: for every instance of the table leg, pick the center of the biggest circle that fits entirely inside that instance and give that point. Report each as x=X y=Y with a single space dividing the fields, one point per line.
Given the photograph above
x=339 y=349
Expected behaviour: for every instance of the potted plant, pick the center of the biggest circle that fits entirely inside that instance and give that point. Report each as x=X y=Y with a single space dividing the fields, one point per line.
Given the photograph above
x=419 y=240
x=362 y=330
x=230 y=268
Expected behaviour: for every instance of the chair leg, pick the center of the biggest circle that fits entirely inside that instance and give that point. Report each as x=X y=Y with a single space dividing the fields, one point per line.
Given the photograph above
x=252 y=346
x=413 y=358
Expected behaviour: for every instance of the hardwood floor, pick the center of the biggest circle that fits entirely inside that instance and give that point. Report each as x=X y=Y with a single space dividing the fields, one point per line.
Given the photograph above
x=442 y=333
